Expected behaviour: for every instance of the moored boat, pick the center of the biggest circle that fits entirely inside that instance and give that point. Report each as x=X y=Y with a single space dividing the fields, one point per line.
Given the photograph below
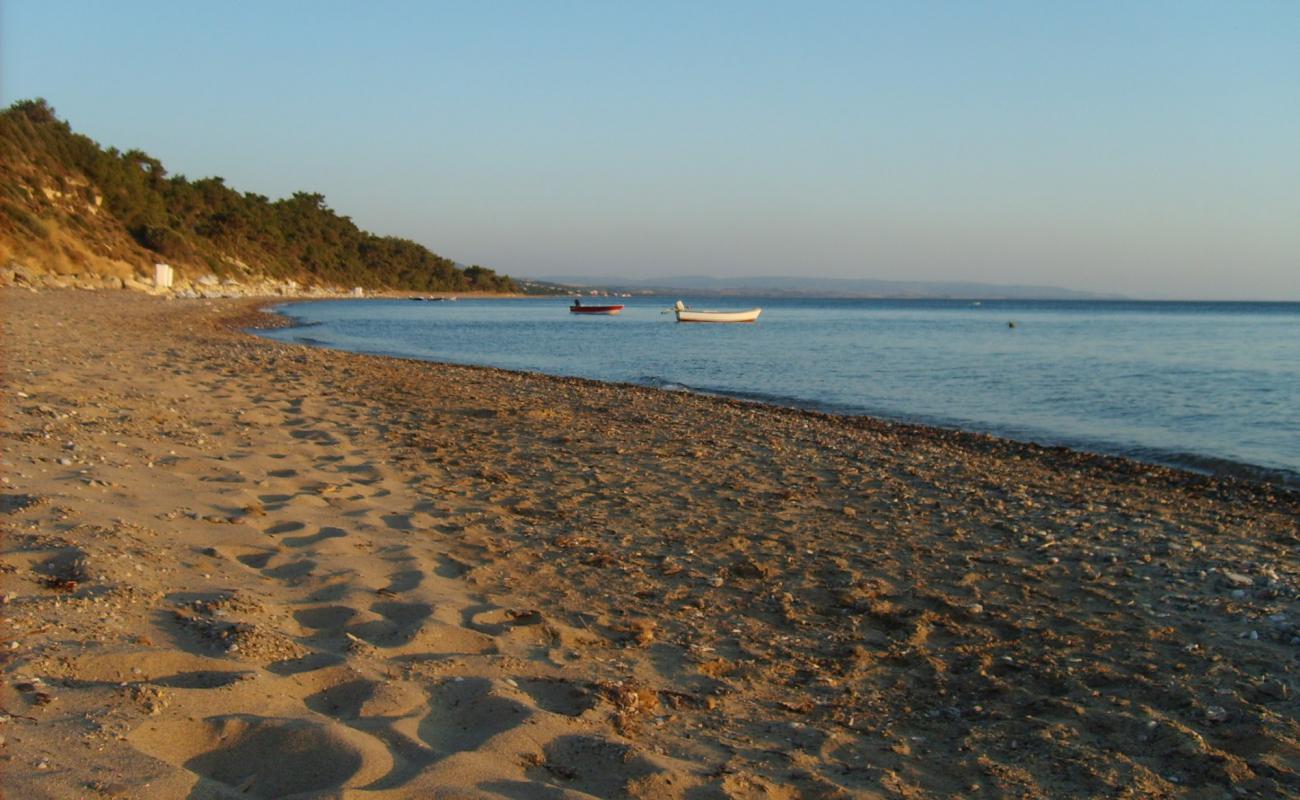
x=579 y=308
x=685 y=314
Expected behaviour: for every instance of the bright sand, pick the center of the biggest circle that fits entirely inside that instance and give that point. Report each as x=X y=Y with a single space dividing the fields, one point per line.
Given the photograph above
x=235 y=568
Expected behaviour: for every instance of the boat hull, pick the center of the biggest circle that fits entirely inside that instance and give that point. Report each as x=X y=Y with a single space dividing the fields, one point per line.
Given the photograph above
x=688 y=315
x=606 y=310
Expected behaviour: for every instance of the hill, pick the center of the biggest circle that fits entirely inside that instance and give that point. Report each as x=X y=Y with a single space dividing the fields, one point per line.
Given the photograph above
x=74 y=213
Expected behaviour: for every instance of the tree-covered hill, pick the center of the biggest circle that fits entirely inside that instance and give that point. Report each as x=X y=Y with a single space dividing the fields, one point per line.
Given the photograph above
x=76 y=207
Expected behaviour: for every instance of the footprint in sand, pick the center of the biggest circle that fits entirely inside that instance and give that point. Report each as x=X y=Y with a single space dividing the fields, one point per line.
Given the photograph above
x=449 y=567
x=398 y=522
x=292 y=526
x=59 y=570
x=266 y=757
x=331 y=593
x=202 y=679
x=315 y=436
x=362 y=698
x=15 y=503
x=398 y=623
x=311 y=662
x=592 y=764
x=558 y=696
x=495 y=620
x=170 y=668
x=465 y=713
x=257 y=558
x=292 y=571
x=404 y=581
x=328 y=619
x=274 y=502
x=316 y=538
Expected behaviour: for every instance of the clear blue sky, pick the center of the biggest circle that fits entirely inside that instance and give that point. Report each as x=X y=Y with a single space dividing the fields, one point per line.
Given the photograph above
x=1148 y=148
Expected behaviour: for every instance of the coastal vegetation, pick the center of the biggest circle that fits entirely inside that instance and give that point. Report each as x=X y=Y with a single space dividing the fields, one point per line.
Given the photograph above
x=78 y=207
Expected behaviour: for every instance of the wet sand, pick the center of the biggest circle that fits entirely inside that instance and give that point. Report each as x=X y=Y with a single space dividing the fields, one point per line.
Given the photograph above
x=238 y=568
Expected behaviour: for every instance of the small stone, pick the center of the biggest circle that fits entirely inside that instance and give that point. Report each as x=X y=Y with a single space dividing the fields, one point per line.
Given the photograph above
x=1237 y=579
x=1275 y=689
x=1216 y=714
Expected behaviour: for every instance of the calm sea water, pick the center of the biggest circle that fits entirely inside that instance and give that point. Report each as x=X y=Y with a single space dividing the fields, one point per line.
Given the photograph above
x=1208 y=386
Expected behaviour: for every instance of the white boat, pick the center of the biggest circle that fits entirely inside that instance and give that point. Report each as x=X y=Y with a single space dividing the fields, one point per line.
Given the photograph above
x=685 y=314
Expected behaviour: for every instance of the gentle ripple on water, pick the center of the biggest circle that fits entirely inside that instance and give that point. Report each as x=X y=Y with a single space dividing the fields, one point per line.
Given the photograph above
x=1211 y=386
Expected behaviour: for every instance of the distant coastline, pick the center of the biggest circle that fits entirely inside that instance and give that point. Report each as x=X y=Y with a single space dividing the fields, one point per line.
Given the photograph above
x=854 y=288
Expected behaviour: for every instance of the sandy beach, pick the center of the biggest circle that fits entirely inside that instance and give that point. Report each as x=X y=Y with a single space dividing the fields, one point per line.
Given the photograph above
x=236 y=568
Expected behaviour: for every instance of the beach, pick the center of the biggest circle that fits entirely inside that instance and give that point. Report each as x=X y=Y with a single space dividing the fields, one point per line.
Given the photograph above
x=241 y=568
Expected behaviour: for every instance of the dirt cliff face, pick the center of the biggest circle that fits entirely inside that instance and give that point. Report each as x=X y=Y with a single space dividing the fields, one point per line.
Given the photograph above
x=55 y=234
x=54 y=231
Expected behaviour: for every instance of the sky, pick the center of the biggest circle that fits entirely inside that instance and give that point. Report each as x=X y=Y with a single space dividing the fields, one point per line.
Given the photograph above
x=1149 y=149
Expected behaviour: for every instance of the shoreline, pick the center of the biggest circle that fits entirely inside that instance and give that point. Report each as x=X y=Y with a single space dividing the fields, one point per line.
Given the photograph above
x=239 y=567
x=1216 y=469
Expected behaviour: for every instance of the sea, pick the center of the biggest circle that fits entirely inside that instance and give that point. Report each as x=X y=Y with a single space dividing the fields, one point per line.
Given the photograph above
x=1206 y=386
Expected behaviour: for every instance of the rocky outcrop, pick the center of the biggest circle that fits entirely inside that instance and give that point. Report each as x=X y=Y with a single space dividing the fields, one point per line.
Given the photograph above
x=22 y=275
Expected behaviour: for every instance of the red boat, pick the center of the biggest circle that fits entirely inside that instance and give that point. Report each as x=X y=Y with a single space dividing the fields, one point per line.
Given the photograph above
x=579 y=308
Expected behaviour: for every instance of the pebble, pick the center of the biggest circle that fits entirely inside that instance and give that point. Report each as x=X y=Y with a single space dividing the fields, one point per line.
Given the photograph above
x=1237 y=579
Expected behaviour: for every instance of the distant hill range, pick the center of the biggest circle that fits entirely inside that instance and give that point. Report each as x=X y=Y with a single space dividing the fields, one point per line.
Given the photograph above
x=73 y=213
x=788 y=286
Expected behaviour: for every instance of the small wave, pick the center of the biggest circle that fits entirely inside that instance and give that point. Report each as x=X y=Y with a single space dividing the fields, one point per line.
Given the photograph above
x=655 y=382
x=1211 y=465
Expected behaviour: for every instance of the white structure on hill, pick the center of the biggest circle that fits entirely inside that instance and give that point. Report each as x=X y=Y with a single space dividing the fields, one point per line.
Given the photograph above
x=162 y=276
